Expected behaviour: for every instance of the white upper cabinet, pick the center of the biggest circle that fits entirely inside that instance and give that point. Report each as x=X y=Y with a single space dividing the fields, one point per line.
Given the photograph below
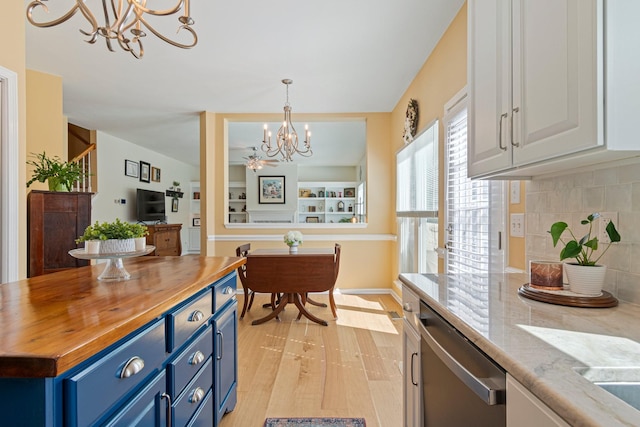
x=539 y=74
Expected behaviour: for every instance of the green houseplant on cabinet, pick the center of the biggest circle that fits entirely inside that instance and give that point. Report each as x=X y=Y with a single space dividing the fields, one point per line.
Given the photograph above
x=585 y=276
x=113 y=237
x=60 y=175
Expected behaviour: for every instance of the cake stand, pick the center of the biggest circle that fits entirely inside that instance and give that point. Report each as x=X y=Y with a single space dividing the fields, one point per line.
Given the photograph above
x=114 y=270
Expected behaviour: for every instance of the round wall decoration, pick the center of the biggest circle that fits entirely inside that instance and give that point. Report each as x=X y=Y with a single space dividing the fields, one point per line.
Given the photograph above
x=411 y=121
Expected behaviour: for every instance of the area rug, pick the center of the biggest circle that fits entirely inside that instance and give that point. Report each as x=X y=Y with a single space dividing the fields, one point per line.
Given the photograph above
x=314 y=422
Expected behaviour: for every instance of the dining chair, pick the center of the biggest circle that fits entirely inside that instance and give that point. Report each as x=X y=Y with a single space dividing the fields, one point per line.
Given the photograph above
x=332 y=301
x=242 y=251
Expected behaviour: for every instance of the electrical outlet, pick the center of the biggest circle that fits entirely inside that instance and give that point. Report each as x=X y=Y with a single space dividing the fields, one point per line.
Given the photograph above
x=605 y=219
x=516 y=225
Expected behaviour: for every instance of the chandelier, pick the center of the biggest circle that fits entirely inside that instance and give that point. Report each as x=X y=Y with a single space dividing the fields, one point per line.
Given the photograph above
x=120 y=17
x=287 y=143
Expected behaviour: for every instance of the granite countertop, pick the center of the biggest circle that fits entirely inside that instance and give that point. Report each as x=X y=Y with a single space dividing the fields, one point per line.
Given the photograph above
x=548 y=348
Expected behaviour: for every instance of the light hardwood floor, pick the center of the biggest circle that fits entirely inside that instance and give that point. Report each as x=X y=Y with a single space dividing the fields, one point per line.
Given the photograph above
x=292 y=368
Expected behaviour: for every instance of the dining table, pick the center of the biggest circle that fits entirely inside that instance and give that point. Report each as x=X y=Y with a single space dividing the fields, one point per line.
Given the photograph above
x=293 y=275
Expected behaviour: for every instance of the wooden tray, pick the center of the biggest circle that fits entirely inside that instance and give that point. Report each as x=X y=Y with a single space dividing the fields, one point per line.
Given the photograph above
x=603 y=300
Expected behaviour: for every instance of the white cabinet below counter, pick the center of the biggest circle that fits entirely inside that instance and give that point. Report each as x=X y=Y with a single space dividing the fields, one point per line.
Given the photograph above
x=526 y=410
x=539 y=73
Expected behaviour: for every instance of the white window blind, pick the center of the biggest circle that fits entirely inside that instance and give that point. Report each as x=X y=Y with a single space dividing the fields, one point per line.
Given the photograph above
x=417 y=203
x=467 y=205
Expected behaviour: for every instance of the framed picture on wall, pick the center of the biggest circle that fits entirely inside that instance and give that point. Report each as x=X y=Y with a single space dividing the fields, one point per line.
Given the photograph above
x=155 y=174
x=145 y=171
x=271 y=189
x=174 y=205
x=131 y=168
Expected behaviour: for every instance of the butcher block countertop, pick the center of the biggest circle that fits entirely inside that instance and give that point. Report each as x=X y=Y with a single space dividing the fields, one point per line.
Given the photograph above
x=556 y=352
x=51 y=323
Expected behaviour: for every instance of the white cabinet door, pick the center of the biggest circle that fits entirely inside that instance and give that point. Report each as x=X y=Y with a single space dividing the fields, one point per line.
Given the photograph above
x=489 y=78
x=526 y=410
x=555 y=79
x=412 y=377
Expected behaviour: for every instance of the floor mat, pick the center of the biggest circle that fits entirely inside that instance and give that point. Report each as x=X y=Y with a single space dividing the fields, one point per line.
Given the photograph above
x=314 y=422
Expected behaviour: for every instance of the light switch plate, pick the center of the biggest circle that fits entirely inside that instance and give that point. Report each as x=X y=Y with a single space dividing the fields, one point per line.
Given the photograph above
x=514 y=192
x=516 y=225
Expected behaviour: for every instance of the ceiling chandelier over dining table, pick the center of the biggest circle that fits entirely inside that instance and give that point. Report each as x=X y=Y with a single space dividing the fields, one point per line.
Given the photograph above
x=287 y=143
x=123 y=22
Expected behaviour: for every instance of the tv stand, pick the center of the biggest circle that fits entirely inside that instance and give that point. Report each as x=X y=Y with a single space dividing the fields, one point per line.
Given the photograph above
x=166 y=238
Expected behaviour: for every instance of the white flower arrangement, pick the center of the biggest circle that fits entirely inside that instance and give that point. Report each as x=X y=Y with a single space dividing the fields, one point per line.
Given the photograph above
x=293 y=238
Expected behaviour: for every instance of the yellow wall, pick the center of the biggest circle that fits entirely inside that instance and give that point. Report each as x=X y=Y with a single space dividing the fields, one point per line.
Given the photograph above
x=12 y=57
x=517 y=244
x=47 y=126
x=367 y=253
x=442 y=76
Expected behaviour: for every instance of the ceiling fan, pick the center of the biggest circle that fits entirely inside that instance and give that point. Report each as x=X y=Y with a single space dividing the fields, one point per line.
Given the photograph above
x=255 y=162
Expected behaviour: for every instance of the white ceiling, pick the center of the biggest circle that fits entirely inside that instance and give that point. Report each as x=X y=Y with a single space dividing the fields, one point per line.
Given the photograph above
x=343 y=56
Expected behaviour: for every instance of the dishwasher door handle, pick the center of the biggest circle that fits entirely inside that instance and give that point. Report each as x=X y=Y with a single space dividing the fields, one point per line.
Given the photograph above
x=490 y=394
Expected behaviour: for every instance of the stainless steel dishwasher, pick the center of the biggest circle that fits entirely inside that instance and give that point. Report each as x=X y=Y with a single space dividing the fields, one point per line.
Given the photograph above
x=462 y=386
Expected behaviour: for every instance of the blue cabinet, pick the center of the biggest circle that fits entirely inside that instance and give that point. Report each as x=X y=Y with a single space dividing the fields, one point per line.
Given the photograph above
x=180 y=368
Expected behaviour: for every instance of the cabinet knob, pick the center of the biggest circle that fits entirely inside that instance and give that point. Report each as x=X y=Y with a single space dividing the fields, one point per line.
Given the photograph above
x=196 y=395
x=407 y=307
x=196 y=316
x=132 y=367
x=196 y=358
x=228 y=290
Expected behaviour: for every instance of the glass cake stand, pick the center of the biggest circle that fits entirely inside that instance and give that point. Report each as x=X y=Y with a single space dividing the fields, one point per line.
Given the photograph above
x=114 y=270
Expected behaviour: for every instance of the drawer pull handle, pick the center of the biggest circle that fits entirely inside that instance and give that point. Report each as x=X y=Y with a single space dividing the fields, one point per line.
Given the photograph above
x=132 y=367
x=169 y=414
x=228 y=290
x=197 y=358
x=196 y=316
x=196 y=395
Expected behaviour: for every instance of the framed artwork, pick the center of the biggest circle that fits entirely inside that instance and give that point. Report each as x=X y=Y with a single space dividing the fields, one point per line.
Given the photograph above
x=350 y=192
x=271 y=190
x=196 y=222
x=174 y=205
x=313 y=219
x=145 y=171
x=131 y=168
x=155 y=174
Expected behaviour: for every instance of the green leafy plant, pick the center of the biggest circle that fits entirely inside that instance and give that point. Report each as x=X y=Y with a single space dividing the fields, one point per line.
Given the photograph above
x=582 y=249
x=113 y=230
x=55 y=171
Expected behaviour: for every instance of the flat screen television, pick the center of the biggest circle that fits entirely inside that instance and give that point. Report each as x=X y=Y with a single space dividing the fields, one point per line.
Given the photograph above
x=150 y=205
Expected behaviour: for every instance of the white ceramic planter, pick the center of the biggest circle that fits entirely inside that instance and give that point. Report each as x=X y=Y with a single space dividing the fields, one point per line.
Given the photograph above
x=293 y=249
x=116 y=246
x=587 y=280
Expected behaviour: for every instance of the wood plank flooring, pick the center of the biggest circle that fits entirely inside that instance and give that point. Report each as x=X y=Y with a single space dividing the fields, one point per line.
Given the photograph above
x=292 y=368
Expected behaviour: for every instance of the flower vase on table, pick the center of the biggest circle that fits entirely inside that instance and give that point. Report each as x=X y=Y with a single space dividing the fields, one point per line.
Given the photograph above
x=293 y=239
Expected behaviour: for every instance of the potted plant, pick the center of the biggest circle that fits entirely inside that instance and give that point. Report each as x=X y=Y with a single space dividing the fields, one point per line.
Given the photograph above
x=60 y=175
x=113 y=237
x=293 y=239
x=585 y=275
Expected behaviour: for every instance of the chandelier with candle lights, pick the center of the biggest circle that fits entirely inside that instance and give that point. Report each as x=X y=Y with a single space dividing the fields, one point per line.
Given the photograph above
x=124 y=21
x=287 y=143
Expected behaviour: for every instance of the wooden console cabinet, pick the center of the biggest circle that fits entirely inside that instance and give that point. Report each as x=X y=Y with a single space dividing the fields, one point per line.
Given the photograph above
x=54 y=222
x=166 y=238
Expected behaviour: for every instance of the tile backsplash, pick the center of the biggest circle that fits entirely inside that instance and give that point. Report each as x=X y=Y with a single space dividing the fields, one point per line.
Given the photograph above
x=570 y=198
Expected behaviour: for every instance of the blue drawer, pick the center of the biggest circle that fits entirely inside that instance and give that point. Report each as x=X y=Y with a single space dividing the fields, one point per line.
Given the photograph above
x=223 y=291
x=187 y=320
x=95 y=389
x=186 y=364
x=186 y=405
x=204 y=416
x=147 y=409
